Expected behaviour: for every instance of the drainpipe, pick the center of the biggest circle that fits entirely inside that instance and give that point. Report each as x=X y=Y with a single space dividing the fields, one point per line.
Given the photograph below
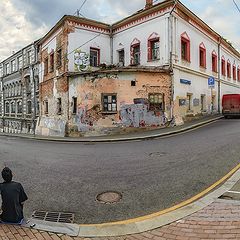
x=171 y=19
x=111 y=44
x=219 y=74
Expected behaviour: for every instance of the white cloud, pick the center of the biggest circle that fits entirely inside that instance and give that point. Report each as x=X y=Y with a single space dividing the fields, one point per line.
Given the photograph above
x=16 y=30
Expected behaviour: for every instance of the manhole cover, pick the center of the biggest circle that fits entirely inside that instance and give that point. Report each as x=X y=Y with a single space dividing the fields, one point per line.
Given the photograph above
x=53 y=216
x=109 y=197
x=157 y=154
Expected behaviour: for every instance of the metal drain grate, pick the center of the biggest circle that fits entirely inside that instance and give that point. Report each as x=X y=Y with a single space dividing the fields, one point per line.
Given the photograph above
x=53 y=216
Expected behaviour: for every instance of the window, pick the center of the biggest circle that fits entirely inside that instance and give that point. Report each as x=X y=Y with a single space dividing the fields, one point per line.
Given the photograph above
x=13 y=65
x=189 y=101
x=45 y=66
x=214 y=61
x=19 y=107
x=234 y=73
x=153 y=46
x=74 y=105
x=109 y=102
x=37 y=108
x=238 y=74
x=29 y=107
x=228 y=69
x=46 y=106
x=156 y=101
x=13 y=107
x=135 y=52
x=59 y=106
x=20 y=62
x=7 y=68
x=202 y=55
x=28 y=84
x=28 y=57
x=94 y=57
x=121 y=57
x=1 y=71
x=223 y=67
x=59 y=57
x=51 y=62
x=7 y=107
x=185 y=47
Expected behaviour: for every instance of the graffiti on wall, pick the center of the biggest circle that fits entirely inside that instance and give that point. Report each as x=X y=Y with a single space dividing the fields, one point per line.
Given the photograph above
x=137 y=115
x=81 y=60
x=85 y=118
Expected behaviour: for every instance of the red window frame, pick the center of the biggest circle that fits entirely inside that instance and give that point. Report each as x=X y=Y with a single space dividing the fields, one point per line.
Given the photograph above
x=135 y=44
x=223 y=66
x=228 y=69
x=214 y=61
x=202 y=55
x=234 y=73
x=238 y=74
x=150 y=49
x=185 y=40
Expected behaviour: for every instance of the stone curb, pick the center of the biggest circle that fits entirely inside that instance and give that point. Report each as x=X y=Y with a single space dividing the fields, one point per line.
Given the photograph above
x=120 y=139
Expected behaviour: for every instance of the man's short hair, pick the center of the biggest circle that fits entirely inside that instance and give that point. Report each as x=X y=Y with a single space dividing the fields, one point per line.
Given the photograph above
x=7 y=174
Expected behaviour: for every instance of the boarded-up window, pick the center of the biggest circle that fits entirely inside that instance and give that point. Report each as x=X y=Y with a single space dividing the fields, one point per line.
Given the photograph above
x=156 y=101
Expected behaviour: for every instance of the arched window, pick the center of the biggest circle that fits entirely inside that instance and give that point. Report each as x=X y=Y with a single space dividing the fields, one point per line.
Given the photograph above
x=135 y=52
x=214 y=61
x=228 y=69
x=7 y=107
x=185 y=47
x=13 y=107
x=202 y=55
x=234 y=72
x=223 y=66
x=153 y=47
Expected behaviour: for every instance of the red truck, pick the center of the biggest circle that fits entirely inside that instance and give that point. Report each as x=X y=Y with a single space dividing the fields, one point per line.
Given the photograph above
x=231 y=105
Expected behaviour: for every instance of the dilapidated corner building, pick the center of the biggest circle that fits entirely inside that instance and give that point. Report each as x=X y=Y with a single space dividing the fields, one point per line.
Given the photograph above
x=152 y=65
x=19 y=91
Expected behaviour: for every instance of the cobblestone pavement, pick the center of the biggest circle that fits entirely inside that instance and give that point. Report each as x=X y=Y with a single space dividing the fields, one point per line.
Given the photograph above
x=220 y=220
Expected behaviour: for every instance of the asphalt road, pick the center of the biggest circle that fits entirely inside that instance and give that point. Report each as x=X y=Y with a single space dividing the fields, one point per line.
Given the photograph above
x=151 y=175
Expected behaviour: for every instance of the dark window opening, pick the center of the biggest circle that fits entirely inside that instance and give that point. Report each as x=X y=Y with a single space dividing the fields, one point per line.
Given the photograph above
x=133 y=83
x=45 y=66
x=51 y=62
x=59 y=57
x=74 y=101
x=154 y=49
x=59 y=106
x=46 y=107
x=121 y=57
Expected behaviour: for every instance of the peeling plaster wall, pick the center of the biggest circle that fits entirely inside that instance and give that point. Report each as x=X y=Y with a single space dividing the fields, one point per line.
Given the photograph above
x=88 y=91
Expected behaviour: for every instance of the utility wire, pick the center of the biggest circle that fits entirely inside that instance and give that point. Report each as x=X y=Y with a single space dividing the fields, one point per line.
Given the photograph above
x=236 y=5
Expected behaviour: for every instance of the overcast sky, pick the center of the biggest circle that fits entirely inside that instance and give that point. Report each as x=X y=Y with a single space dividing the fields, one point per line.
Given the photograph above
x=23 y=21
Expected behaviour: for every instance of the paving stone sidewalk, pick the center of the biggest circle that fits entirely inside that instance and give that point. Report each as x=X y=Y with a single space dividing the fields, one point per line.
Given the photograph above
x=220 y=220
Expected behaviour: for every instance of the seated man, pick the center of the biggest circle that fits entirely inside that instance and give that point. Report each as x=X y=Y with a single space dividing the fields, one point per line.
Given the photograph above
x=13 y=196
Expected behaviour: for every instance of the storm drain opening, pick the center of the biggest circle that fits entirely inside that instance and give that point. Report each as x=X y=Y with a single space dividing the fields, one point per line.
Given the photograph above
x=53 y=216
x=109 y=197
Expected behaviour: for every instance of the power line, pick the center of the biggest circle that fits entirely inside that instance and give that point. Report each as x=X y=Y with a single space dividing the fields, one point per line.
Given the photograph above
x=236 y=5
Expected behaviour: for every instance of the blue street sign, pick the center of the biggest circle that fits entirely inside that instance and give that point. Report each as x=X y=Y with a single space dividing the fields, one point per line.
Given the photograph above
x=211 y=81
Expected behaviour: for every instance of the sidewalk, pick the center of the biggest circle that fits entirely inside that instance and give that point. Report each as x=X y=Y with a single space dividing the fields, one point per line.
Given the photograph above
x=140 y=135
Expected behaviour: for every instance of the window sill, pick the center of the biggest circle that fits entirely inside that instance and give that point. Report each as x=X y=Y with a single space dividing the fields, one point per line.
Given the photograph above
x=109 y=113
x=153 y=60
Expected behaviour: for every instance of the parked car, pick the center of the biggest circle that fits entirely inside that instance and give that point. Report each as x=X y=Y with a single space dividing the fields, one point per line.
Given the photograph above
x=231 y=105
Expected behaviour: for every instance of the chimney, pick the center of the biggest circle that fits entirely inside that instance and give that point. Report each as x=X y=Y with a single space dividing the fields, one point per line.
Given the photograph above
x=149 y=4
